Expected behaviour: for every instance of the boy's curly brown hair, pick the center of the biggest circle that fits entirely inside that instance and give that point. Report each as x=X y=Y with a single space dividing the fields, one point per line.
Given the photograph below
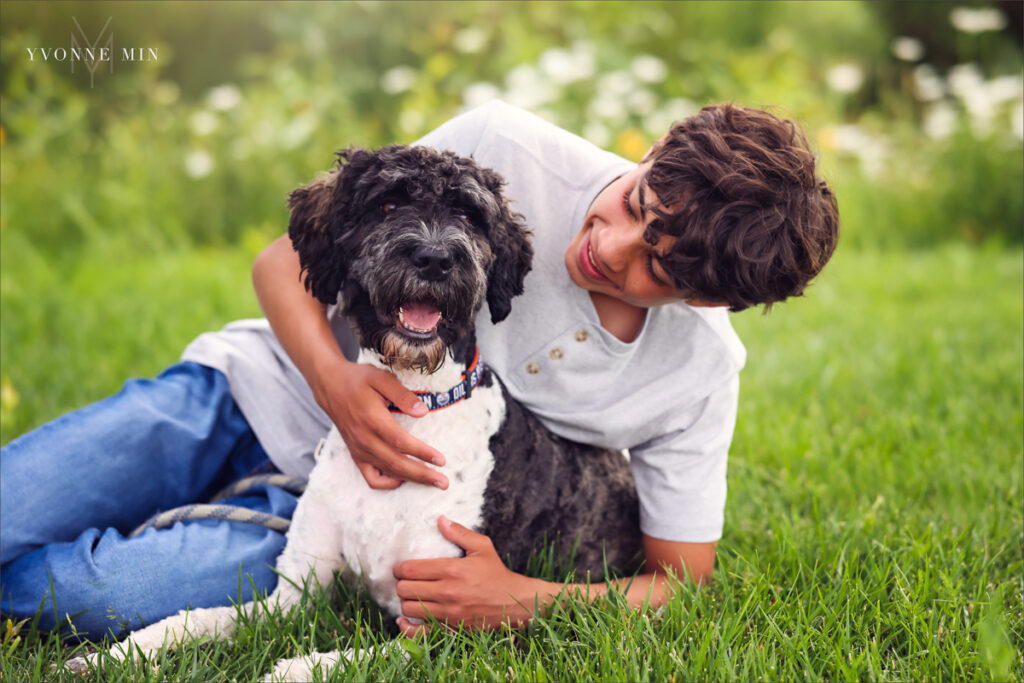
x=737 y=187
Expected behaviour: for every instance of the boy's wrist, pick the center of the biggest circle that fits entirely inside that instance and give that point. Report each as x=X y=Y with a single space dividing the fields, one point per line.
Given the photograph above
x=328 y=368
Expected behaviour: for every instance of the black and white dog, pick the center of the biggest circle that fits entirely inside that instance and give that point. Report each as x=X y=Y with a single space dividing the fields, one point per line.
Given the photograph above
x=416 y=241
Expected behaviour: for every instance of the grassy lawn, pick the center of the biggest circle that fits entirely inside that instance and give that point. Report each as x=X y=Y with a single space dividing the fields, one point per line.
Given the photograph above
x=874 y=526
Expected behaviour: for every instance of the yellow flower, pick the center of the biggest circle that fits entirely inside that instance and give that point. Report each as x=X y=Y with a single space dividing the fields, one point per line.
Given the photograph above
x=632 y=144
x=9 y=396
x=827 y=138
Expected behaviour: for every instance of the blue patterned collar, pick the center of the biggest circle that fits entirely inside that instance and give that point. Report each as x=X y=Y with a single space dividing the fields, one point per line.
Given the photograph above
x=437 y=400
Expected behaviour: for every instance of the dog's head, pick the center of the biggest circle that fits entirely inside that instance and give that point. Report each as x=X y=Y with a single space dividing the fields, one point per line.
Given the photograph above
x=414 y=240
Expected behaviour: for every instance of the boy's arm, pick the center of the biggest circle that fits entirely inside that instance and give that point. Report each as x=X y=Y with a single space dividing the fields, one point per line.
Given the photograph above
x=480 y=591
x=354 y=396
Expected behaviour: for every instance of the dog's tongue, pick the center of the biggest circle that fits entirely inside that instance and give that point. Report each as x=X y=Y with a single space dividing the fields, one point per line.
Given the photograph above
x=422 y=317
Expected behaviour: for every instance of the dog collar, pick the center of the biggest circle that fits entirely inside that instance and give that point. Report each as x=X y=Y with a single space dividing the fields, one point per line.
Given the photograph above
x=437 y=400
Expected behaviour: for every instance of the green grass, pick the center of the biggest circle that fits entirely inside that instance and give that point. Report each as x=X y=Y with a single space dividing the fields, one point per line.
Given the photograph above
x=874 y=526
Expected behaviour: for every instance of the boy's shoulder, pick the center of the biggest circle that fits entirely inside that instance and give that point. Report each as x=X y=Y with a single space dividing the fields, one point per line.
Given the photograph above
x=711 y=333
x=498 y=134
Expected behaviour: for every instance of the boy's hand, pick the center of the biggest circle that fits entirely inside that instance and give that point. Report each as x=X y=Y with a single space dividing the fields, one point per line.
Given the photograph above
x=477 y=590
x=357 y=402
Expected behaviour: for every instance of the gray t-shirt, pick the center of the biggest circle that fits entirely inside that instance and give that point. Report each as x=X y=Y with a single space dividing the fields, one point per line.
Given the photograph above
x=669 y=396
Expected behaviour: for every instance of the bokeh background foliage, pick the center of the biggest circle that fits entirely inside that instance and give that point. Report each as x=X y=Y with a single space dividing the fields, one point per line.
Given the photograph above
x=881 y=415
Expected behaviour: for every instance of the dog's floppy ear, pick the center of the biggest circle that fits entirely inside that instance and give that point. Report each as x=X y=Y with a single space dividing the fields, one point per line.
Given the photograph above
x=321 y=217
x=513 y=253
x=509 y=239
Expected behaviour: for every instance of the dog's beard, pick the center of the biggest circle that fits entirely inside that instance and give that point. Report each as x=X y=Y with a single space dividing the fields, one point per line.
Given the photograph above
x=401 y=353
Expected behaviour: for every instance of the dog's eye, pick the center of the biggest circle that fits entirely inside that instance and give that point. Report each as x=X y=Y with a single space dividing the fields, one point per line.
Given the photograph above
x=388 y=207
x=463 y=216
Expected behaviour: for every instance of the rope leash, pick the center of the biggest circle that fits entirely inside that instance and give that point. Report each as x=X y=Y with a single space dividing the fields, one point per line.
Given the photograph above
x=231 y=513
x=294 y=485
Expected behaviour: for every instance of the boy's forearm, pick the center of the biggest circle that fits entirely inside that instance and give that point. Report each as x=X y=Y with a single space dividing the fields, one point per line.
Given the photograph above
x=653 y=590
x=653 y=587
x=296 y=317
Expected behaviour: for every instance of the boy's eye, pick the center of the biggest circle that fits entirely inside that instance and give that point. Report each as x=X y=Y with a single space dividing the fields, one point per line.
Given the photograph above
x=625 y=204
x=650 y=271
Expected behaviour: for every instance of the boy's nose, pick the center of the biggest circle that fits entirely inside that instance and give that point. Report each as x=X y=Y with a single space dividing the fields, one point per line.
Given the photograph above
x=617 y=248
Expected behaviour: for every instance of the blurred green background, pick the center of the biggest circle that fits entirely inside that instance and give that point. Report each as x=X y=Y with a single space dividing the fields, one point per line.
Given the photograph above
x=134 y=201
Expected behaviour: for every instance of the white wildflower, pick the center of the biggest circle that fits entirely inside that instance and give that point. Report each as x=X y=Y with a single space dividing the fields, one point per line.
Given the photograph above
x=478 y=93
x=616 y=83
x=224 y=97
x=649 y=69
x=609 y=107
x=907 y=48
x=597 y=134
x=198 y=163
x=642 y=102
x=977 y=19
x=203 y=122
x=845 y=78
x=849 y=138
x=526 y=88
x=398 y=79
x=563 y=66
x=470 y=40
x=676 y=109
x=411 y=120
x=1006 y=88
x=940 y=120
x=872 y=157
x=965 y=80
x=928 y=86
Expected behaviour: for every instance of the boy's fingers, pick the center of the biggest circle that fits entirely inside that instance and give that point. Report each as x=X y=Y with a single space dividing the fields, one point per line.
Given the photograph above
x=406 y=401
x=411 y=630
x=396 y=464
x=375 y=478
x=465 y=538
x=410 y=445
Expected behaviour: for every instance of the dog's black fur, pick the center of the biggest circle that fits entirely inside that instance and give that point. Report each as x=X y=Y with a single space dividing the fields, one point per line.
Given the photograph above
x=542 y=486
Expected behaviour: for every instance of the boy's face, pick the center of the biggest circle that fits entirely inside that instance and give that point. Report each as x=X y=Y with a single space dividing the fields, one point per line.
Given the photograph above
x=609 y=254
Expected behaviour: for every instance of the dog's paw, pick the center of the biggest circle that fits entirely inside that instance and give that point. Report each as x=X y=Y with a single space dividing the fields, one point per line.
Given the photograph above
x=302 y=668
x=295 y=669
x=79 y=666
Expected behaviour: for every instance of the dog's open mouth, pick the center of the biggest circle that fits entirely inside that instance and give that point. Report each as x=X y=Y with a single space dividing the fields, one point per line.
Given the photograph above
x=418 y=319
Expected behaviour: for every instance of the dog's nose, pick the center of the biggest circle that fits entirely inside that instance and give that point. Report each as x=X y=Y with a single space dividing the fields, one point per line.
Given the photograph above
x=432 y=263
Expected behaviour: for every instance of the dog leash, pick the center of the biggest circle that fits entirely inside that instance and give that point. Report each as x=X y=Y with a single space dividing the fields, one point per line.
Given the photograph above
x=231 y=513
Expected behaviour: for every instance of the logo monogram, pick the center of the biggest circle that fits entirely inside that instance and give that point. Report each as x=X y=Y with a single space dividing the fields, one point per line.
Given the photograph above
x=90 y=49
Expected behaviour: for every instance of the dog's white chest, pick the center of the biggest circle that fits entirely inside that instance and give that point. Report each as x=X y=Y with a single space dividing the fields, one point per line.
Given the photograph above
x=373 y=530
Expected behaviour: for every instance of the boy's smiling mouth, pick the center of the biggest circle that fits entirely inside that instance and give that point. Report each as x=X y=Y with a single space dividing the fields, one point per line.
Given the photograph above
x=588 y=264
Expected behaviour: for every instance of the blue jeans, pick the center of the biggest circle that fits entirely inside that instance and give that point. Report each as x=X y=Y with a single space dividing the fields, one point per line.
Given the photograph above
x=71 y=490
